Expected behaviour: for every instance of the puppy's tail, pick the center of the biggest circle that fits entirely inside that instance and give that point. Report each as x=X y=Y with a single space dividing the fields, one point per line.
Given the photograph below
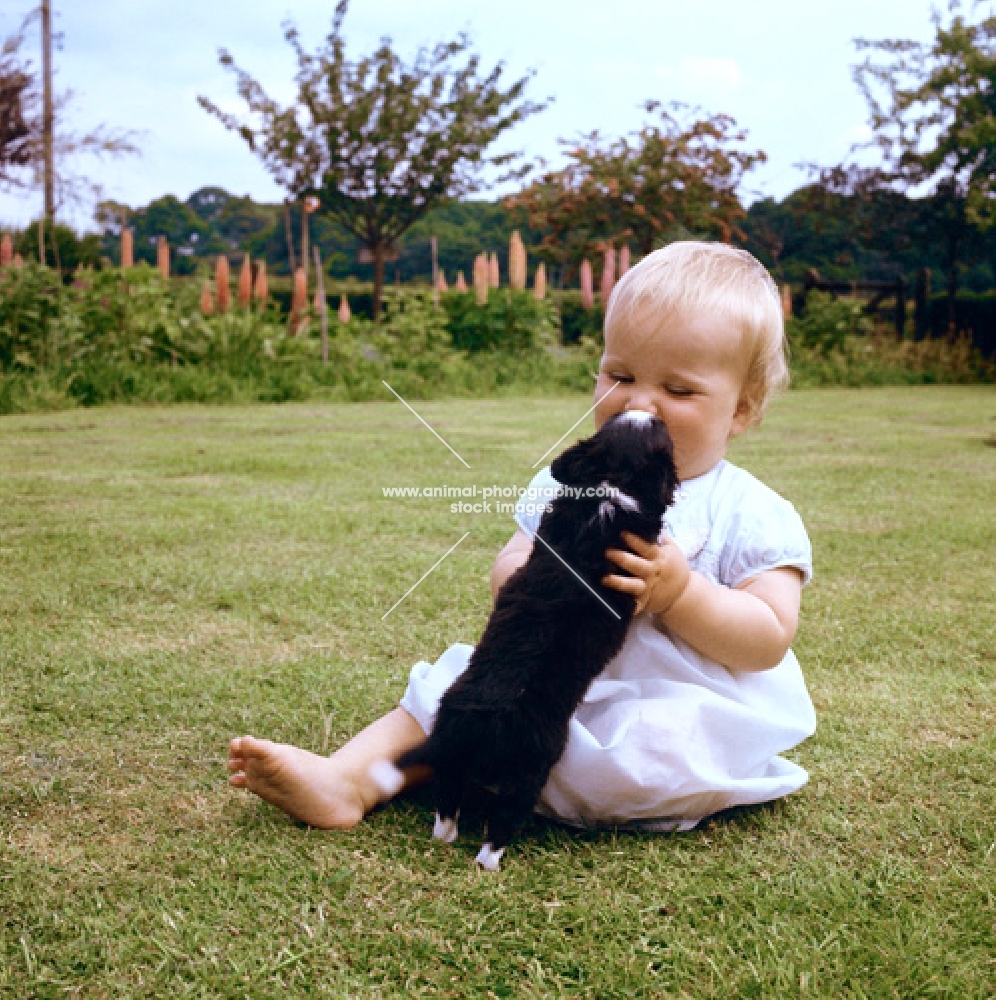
x=389 y=777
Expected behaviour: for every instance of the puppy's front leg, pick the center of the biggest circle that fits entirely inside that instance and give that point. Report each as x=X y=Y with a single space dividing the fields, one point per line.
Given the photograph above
x=489 y=858
x=446 y=829
x=504 y=822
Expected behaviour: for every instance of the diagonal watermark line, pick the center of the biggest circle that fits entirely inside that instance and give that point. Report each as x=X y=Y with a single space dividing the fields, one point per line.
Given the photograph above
x=569 y=429
x=430 y=429
x=583 y=581
x=422 y=577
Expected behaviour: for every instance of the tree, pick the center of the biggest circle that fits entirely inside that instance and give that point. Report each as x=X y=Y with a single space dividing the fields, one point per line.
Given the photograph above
x=678 y=173
x=17 y=97
x=68 y=249
x=378 y=141
x=34 y=150
x=933 y=111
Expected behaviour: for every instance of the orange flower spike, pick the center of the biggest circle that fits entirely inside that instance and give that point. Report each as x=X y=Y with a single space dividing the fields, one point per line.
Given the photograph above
x=608 y=275
x=481 y=279
x=222 y=280
x=516 y=262
x=207 y=299
x=245 y=283
x=261 y=290
x=587 y=285
x=539 y=283
x=163 y=257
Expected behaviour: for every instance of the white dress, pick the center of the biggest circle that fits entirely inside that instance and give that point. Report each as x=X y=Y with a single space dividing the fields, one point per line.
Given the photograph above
x=665 y=736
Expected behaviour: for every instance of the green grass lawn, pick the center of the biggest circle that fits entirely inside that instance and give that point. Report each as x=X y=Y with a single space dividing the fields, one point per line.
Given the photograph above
x=172 y=577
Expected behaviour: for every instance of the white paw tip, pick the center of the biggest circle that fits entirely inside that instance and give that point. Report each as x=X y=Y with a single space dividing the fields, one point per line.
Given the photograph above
x=388 y=779
x=445 y=830
x=488 y=858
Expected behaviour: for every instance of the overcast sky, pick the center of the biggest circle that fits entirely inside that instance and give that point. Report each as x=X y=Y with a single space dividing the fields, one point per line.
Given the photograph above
x=782 y=68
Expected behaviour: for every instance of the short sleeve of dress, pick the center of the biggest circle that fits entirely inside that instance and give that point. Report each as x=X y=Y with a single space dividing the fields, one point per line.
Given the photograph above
x=765 y=533
x=531 y=506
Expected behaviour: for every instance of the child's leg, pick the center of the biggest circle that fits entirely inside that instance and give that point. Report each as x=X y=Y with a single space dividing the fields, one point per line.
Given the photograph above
x=330 y=792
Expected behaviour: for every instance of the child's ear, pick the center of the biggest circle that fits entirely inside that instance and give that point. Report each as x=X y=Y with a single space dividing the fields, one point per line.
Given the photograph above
x=742 y=417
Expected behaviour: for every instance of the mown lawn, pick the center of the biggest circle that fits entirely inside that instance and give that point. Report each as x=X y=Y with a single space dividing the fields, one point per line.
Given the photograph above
x=171 y=577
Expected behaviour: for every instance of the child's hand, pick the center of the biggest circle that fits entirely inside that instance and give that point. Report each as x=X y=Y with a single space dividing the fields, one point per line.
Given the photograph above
x=660 y=573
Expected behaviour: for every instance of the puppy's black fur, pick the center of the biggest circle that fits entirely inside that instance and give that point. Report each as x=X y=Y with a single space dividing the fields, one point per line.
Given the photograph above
x=503 y=724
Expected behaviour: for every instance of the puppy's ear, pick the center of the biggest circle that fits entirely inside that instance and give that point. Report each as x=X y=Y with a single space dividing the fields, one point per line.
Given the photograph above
x=663 y=451
x=581 y=465
x=671 y=481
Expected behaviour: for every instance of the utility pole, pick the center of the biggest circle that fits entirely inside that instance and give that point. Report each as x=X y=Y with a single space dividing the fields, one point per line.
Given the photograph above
x=48 y=112
x=48 y=128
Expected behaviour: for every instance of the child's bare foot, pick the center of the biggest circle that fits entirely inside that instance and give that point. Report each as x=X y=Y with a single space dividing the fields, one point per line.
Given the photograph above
x=316 y=790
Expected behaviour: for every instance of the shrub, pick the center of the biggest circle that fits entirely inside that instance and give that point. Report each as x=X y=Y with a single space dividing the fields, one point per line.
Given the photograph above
x=360 y=295
x=73 y=251
x=120 y=336
x=974 y=313
x=881 y=359
x=510 y=321
x=31 y=305
x=577 y=322
x=827 y=323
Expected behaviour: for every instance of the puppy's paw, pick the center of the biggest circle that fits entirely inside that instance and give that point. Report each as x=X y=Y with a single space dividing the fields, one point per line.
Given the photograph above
x=445 y=829
x=489 y=859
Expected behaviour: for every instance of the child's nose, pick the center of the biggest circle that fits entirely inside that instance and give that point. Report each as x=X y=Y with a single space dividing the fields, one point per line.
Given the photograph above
x=640 y=400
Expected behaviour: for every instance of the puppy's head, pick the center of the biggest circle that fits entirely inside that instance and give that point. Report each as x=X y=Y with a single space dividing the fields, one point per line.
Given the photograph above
x=632 y=453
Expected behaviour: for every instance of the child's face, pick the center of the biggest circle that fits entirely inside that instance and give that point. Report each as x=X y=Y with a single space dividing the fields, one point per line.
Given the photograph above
x=691 y=375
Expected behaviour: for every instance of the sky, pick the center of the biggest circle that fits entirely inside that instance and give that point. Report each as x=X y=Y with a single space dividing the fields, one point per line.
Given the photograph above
x=781 y=68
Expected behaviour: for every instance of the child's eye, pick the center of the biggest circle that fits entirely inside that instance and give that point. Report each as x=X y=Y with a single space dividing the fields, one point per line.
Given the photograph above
x=618 y=377
x=678 y=390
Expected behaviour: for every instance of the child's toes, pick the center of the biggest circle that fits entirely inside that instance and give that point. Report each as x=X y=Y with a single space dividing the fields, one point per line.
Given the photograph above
x=238 y=780
x=255 y=749
x=236 y=764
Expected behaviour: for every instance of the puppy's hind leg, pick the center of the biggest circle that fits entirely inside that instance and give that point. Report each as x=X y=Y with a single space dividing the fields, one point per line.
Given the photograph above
x=449 y=796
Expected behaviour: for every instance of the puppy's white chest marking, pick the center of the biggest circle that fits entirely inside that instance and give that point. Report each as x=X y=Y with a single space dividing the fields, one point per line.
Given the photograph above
x=615 y=498
x=626 y=501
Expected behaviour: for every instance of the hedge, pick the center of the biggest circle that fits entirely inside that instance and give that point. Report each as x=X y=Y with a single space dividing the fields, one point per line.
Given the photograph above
x=975 y=314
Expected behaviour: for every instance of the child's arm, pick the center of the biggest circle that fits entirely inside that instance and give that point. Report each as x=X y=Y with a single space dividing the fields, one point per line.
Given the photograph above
x=747 y=628
x=514 y=555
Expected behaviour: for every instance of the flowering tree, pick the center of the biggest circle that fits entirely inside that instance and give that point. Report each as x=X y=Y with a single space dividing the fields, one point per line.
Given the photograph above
x=379 y=141
x=676 y=173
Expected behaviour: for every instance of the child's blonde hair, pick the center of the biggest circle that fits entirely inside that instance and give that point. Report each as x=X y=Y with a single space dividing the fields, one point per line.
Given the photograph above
x=688 y=278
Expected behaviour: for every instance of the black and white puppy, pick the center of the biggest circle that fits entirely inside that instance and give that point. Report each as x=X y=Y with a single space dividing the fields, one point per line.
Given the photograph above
x=503 y=724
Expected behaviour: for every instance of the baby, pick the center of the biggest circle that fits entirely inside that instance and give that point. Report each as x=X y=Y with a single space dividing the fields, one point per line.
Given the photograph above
x=690 y=716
